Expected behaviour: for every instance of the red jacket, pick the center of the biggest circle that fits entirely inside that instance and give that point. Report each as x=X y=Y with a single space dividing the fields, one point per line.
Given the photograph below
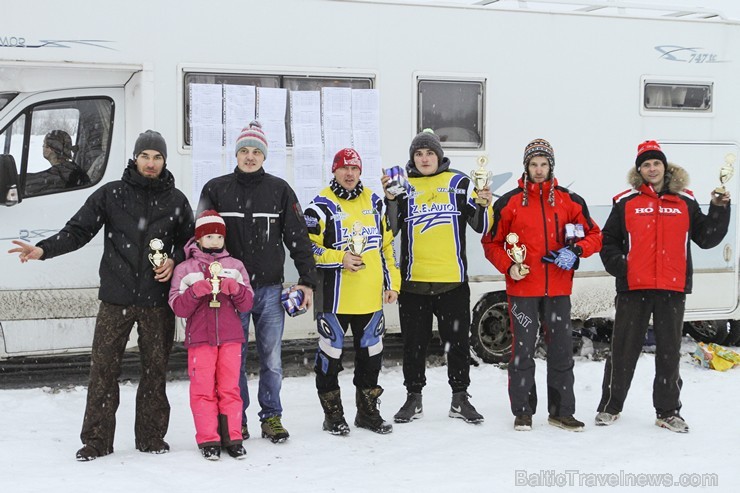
x=647 y=237
x=541 y=228
x=206 y=325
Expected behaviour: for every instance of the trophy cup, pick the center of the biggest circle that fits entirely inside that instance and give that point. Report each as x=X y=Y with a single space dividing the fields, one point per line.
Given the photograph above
x=517 y=253
x=481 y=178
x=158 y=258
x=725 y=173
x=215 y=268
x=357 y=241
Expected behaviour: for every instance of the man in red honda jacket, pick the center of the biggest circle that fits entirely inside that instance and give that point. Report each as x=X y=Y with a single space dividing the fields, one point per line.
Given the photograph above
x=647 y=247
x=555 y=227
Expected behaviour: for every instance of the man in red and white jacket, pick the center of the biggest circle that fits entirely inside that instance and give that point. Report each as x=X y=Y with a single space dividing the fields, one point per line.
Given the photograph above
x=647 y=247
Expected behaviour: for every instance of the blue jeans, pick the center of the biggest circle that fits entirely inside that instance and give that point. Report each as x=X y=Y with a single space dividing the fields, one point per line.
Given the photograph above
x=269 y=321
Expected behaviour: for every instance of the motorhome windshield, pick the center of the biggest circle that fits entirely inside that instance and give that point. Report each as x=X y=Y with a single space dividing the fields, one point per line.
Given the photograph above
x=6 y=97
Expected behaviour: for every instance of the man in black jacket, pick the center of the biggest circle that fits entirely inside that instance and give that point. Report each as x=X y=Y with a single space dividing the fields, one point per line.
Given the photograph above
x=262 y=214
x=141 y=207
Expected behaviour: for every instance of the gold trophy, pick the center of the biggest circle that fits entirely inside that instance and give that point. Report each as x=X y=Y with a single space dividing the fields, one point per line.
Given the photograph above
x=481 y=178
x=725 y=173
x=215 y=268
x=158 y=258
x=517 y=253
x=356 y=242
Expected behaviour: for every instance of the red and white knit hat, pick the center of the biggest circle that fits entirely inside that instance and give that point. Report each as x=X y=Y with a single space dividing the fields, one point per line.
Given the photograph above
x=209 y=223
x=252 y=136
x=346 y=157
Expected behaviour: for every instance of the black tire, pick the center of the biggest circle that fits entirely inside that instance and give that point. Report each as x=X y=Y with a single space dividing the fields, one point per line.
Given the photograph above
x=733 y=337
x=490 y=337
x=707 y=330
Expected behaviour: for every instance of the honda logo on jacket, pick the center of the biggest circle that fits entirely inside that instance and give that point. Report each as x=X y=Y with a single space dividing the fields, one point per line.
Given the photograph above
x=661 y=210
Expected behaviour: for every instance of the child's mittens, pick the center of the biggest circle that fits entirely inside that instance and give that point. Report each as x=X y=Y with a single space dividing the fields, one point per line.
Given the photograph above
x=229 y=286
x=201 y=288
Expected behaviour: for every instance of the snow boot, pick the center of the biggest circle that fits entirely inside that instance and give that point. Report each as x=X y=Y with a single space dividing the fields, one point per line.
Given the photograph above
x=568 y=423
x=411 y=409
x=462 y=408
x=334 y=421
x=88 y=453
x=523 y=422
x=236 y=451
x=272 y=428
x=211 y=452
x=368 y=415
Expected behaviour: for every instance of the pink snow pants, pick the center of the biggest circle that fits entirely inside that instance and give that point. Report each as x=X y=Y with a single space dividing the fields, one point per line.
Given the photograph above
x=214 y=391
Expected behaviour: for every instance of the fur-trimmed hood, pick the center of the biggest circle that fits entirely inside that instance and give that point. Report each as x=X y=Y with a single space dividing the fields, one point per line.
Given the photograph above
x=676 y=178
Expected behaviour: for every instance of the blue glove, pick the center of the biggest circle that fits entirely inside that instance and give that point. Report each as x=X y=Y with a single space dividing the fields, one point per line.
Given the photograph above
x=565 y=258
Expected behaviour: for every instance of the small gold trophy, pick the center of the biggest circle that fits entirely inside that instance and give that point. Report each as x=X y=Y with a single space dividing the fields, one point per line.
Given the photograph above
x=725 y=173
x=158 y=258
x=357 y=241
x=517 y=253
x=215 y=268
x=481 y=178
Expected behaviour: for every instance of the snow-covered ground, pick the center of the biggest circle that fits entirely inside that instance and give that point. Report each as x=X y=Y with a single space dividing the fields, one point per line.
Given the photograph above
x=40 y=429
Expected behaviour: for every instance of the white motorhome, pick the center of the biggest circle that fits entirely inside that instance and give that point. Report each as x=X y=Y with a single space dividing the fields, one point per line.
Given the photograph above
x=593 y=77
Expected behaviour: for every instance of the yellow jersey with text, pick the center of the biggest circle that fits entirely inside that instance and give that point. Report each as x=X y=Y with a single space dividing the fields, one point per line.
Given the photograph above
x=432 y=223
x=332 y=224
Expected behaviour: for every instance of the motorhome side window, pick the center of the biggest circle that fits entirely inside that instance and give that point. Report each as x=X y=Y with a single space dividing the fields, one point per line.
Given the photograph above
x=454 y=110
x=291 y=83
x=59 y=146
x=678 y=97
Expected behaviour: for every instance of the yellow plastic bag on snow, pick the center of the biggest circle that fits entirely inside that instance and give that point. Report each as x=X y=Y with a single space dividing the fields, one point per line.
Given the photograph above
x=715 y=356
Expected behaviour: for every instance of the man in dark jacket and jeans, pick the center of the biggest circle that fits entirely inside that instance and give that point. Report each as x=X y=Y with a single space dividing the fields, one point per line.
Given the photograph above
x=647 y=247
x=143 y=206
x=262 y=214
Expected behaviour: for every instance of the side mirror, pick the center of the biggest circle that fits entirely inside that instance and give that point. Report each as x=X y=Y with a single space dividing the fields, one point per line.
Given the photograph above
x=8 y=180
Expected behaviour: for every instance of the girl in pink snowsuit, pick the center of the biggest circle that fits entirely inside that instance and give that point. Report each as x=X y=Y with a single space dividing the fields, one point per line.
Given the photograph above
x=213 y=336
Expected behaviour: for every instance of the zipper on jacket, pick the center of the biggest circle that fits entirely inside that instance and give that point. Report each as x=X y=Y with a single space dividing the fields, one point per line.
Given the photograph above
x=547 y=249
x=144 y=232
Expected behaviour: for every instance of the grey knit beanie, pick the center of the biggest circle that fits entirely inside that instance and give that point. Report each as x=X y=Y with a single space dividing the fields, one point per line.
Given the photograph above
x=427 y=139
x=151 y=139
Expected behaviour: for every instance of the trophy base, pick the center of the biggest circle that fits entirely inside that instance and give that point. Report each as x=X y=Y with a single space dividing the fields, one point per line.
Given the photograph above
x=215 y=304
x=523 y=271
x=481 y=201
x=720 y=190
x=361 y=266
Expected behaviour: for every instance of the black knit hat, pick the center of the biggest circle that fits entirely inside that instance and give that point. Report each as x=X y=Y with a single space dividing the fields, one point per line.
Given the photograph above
x=151 y=139
x=427 y=139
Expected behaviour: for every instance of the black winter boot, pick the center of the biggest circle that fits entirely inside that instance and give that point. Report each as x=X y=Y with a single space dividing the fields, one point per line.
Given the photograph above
x=368 y=415
x=334 y=421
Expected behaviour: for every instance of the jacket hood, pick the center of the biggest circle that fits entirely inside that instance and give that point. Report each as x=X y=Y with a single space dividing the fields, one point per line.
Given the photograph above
x=192 y=251
x=676 y=178
x=411 y=170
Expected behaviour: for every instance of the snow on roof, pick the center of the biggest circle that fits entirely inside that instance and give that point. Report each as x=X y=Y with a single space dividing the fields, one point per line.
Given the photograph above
x=709 y=10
